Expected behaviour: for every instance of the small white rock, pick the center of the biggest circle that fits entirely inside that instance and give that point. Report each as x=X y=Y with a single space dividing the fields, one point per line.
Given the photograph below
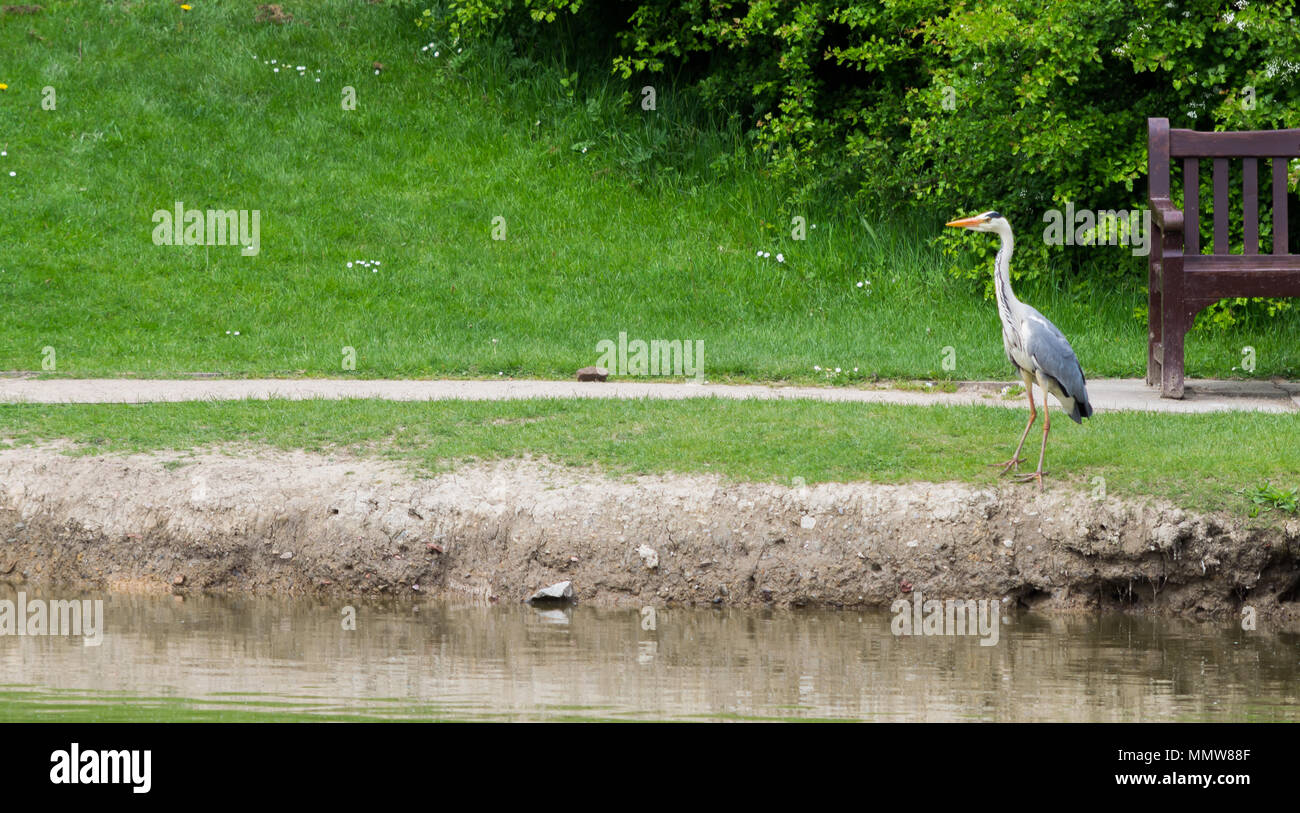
x=649 y=556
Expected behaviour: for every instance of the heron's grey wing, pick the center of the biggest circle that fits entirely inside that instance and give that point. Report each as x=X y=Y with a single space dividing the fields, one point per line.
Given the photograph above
x=1051 y=351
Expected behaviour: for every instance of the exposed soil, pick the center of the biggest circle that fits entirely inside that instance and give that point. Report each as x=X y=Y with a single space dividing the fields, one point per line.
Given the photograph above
x=290 y=523
x=272 y=13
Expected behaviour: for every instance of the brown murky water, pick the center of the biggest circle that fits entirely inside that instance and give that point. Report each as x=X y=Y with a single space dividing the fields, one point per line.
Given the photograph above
x=216 y=658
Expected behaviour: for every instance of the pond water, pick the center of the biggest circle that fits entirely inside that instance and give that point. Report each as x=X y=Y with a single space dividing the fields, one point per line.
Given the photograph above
x=219 y=658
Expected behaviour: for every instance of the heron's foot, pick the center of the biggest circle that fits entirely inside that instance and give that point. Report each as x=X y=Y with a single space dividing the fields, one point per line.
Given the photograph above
x=1013 y=463
x=1035 y=475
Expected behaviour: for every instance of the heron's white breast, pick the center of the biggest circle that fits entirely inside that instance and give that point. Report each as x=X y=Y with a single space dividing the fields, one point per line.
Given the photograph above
x=1016 y=350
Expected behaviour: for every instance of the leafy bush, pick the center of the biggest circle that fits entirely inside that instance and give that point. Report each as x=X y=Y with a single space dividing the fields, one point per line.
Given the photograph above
x=1017 y=105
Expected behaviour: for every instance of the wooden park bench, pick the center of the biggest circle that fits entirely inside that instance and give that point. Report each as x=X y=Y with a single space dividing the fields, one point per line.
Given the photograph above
x=1183 y=280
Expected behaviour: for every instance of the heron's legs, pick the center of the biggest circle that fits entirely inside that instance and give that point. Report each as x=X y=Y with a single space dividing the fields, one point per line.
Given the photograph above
x=1015 y=460
x=1047 y=424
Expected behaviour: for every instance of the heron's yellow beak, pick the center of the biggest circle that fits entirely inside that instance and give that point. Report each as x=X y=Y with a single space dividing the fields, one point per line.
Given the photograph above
x=964 y=223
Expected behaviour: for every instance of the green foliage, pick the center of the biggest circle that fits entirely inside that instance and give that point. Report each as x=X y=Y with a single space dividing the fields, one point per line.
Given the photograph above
x=1017 y=105
x=477 y=17
x=1270 y=496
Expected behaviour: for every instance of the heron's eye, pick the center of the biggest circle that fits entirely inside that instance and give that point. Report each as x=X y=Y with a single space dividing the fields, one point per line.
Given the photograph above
x=992 y=215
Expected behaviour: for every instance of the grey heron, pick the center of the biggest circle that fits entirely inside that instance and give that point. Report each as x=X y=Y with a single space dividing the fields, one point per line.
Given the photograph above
x=1036 y=348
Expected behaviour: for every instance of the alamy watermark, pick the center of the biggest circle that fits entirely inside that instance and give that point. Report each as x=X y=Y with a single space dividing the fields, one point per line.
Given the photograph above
x=74 y=766
x=916 y=616
x=53 y=617
x=654 y=357
x=213 y=227
x=1107 y=227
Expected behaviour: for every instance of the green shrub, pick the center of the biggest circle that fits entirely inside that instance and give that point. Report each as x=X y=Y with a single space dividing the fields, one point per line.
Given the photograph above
x=1018 y=105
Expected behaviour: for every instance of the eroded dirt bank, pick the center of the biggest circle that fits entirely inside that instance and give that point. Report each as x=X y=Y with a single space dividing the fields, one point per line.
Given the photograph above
x=272 y=522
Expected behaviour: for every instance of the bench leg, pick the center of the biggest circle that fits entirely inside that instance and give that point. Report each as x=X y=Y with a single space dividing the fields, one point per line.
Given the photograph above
x=1171 y=358
x=1166 y=293
x=1155 y=308
x=1154 y=335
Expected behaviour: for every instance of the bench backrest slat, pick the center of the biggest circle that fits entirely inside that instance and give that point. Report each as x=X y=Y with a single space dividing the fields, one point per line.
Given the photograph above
x=1279 y=205
x=1250 y=204
x=1192 y=204
x=1220 y=205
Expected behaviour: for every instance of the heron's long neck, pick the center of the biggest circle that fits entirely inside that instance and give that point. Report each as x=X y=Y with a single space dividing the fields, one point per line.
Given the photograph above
x=1002 y=276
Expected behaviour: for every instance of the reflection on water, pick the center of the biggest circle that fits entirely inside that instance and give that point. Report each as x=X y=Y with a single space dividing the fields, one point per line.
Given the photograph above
x=209 y=658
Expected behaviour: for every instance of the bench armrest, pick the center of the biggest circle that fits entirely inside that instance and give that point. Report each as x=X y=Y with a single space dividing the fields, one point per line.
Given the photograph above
x=1167 y=217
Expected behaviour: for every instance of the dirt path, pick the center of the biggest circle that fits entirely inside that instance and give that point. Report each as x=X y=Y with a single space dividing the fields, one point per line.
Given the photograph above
x=291 y=523
x=1106 y=394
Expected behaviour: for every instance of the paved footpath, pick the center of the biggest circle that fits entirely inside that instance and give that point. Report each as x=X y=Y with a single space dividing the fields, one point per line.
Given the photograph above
x=1106 y=394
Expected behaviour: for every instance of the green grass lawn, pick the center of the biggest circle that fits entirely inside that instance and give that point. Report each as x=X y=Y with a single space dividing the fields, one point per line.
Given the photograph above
x=1199 y=461
x=653 y=230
